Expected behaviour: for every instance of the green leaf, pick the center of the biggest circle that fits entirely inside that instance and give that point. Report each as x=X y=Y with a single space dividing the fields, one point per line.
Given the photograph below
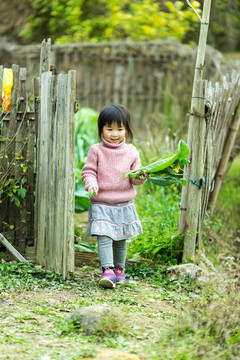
x=22 y=192
x=183 y=150
x=167 y=180
x=163 y=164
x=82 y=201
x=15 y=200
x=154 y=251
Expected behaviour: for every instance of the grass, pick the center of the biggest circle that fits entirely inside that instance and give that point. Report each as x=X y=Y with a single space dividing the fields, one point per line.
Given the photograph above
x=221 y=229
x=161 y=319
x=228 y=203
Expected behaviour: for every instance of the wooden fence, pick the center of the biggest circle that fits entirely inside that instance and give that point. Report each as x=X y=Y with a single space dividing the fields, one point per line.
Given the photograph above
x=17 y=139
x=37 y=166
x=55 y=186
x=223 y=123
x=220 y=129
x=153 y=79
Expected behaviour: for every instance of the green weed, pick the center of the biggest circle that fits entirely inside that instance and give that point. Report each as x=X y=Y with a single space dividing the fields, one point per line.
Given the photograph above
x=228 y=203
x=208 y=330
x=158 y=212
x=65 y=327
x=26 y=276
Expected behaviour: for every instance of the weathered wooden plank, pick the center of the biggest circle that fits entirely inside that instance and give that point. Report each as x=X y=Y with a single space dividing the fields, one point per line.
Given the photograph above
x=59 y=173
x=55 y=232
x=21 y=150
x=69 y=249
x=117 y=83
x=12 y=250
x=65 y=175
x=98 y=85
x=42 y=173
x=125 y=85
x=45 y=56
x=109 y=82
x=28 y=154
x=51 y=225
x=36 y=85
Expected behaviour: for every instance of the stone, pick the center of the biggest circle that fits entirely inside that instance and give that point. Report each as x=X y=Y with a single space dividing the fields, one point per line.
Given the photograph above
x=183 y=270
x=95 y=318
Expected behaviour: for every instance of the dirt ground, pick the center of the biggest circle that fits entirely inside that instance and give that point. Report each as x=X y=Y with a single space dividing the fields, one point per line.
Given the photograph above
x=32 y=322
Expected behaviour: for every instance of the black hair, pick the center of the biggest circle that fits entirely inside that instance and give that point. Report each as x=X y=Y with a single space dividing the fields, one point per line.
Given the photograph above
x=114 y=113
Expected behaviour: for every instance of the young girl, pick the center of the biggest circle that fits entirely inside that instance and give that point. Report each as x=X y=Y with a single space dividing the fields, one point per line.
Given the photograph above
x=112 y=214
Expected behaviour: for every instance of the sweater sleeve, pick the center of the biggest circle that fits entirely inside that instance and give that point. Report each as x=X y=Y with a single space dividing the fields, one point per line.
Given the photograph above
x=89 y=171
x=136 y=165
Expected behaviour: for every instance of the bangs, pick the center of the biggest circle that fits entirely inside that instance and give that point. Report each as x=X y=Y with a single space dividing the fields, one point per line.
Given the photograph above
x=118 y=120
x=114 y=114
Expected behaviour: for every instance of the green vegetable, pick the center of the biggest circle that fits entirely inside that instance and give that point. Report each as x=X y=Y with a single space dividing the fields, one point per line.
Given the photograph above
x=165 y=171
x=82 y=202
x=91 y=193
x=85 y=136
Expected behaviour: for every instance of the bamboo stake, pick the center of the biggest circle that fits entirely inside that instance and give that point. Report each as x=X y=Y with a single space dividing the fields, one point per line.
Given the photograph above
x=228 y=146
x=191 y=194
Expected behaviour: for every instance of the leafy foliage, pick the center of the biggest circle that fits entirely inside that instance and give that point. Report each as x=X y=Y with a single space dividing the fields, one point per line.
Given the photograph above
x=210 y=328
x=165 y=171
x=19 y=276
x=104 y=20
x=224 y=28
x=85 y=136
x=158 y=211
x=229 y=197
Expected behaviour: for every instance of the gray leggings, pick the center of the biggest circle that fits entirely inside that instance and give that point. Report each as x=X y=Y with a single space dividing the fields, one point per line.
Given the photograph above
x=112 y=253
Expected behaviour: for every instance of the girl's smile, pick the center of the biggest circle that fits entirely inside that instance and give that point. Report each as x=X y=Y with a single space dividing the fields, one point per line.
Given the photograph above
x=114 y=133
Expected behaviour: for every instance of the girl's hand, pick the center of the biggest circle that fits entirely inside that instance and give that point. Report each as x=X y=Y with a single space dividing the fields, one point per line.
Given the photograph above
x=93 y=192
x=144 y=176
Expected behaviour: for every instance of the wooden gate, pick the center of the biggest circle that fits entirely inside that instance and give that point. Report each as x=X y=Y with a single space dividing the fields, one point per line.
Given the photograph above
x=55 y=185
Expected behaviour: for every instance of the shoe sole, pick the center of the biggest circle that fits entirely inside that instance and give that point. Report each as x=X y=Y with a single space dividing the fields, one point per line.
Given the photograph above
x=106 y=283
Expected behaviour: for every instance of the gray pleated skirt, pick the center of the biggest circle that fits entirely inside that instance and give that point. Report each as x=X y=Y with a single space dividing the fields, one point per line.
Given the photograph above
x=118 y=221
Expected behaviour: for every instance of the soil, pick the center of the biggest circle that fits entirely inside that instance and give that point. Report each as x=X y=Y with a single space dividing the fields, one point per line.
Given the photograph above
x=30 y=320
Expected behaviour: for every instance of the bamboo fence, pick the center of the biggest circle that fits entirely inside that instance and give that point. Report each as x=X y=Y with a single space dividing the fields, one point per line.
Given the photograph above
x=223 y=122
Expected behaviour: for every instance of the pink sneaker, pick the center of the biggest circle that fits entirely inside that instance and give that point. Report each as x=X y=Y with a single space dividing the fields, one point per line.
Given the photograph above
x=120 y=277
x=108 y=279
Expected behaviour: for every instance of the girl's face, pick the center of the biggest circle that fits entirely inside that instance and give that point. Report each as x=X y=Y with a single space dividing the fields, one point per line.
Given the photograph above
x=114 y=133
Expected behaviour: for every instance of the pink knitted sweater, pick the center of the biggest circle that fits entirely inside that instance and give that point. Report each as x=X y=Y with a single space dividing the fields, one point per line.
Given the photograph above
x=105 y=168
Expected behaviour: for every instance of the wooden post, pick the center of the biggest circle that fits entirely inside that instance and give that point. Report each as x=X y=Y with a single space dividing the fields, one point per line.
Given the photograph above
x=45 y=56
x=191 y=194
x=225 y=158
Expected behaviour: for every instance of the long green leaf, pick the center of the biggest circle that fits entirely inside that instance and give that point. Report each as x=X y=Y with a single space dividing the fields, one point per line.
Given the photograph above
x=165 y=164
x=167 y=180
x=183 y=150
